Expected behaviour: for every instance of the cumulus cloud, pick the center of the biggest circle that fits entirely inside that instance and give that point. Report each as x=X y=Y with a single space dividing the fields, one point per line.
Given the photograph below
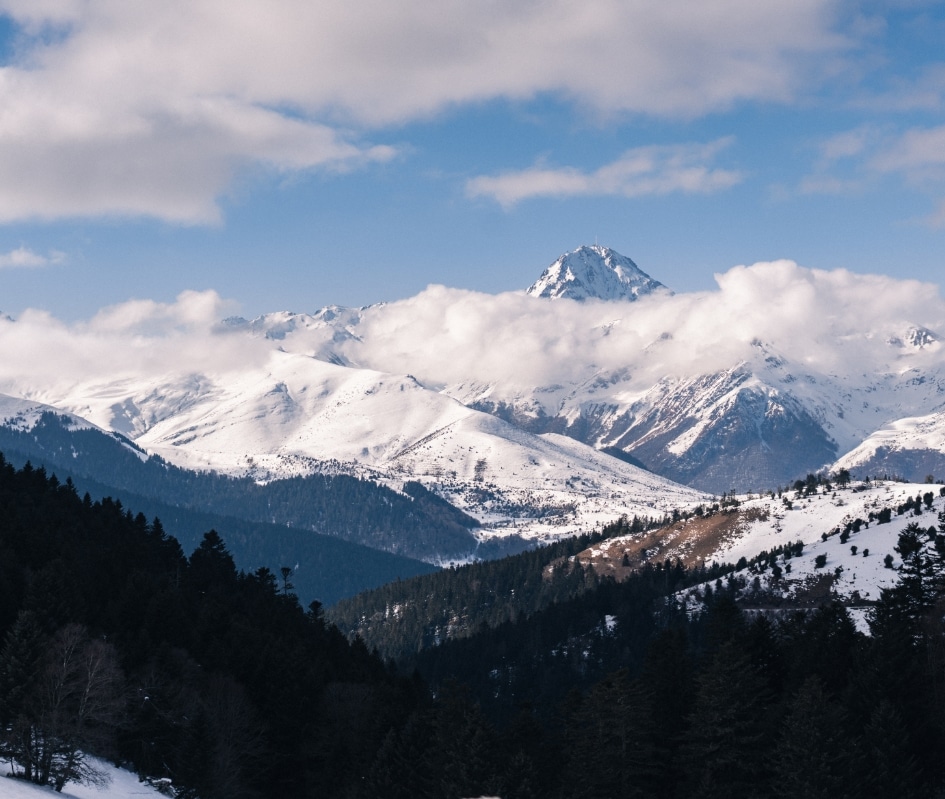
x=193 y=312
x=25 y=258
x=152 y=109
x=638 y=172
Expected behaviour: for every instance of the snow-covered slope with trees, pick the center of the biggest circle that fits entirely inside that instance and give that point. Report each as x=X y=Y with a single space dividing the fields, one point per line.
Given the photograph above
x=912 y=445
x=116 y=783
x=807 y=545
x=21 y=414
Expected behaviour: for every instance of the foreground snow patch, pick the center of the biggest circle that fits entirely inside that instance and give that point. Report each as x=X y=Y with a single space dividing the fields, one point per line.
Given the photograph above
x=122 y=785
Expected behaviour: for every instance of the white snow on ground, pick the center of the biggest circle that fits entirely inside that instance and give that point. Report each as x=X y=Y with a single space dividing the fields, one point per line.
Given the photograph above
x=810 y=517
x=540 y=487
x=122 y=785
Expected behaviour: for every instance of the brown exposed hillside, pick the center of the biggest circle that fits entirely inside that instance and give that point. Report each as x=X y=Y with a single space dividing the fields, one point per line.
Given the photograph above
x=693 y=541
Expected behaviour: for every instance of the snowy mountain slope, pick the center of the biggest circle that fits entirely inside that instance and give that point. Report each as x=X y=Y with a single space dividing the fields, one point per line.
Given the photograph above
x=24 y=415
x=855 y=563
x=330 y=328
x=273 y=421
x=908 y=446
x=304 y=412
x=535 y=486
x=594 y=272
x=760 y=423
x=297 y=414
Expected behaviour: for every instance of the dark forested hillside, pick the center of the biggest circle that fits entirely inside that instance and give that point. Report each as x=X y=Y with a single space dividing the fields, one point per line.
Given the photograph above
x=181 y=667
x=403 y=617
x=615 y=691
x=630 y=696
x=419 y=526
x=324 y=568
x=345 y=507
x=219 y=680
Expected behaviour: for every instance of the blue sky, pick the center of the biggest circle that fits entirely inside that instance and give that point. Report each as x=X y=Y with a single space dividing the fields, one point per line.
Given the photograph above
x=290 y=155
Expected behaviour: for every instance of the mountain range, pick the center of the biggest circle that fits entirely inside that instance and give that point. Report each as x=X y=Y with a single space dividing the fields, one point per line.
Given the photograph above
x=597 y=392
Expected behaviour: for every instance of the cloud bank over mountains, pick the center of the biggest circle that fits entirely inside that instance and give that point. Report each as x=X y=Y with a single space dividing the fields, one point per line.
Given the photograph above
x=834 y=322
x=445 y=335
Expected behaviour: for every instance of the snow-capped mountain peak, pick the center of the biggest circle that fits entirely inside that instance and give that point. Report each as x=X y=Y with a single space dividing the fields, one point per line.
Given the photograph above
x=594 y=272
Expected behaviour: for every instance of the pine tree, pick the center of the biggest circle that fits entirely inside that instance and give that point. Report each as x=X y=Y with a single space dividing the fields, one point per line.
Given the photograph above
x=812 y=753
x=920 y=580
x=20 y=664
x=727 y=740
x=886 y=766
x=610 y=741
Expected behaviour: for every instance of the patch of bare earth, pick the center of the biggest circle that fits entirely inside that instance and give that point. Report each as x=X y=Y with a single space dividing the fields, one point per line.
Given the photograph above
x=694 y=541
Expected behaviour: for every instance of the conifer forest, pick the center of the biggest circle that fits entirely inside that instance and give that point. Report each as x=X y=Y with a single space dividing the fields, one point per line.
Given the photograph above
x=115 y=642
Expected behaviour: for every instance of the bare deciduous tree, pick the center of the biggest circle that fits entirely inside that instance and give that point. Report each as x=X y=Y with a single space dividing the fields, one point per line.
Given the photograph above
x=72 y=707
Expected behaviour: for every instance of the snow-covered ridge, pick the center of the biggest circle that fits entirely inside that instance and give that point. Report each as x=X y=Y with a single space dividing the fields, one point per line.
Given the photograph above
x=302 y=412
x=23 y=414
x=297 y=415
x=594 y=272
x=914 y=444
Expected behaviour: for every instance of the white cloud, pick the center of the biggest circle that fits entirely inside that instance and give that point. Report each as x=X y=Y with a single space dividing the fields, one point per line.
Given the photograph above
x=193 y=312
x=918 y=153
x=869 y=153
x=849 y=143
x=847 y=151
x=638 y=172
x=153 y=108
x=25 y=258
x=44 y=357
x=926 y=92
